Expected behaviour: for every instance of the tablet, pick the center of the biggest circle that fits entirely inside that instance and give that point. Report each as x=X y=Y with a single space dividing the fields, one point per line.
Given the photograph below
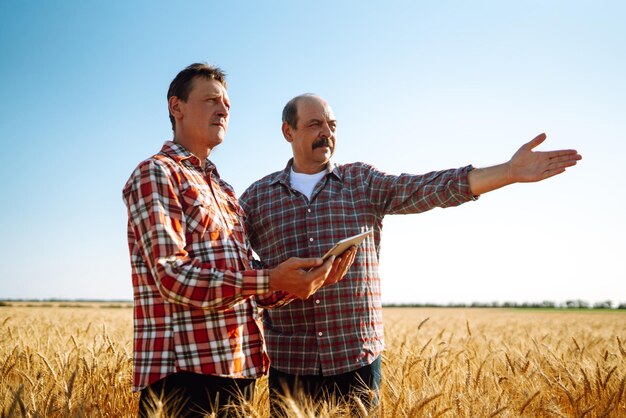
x=346 y=243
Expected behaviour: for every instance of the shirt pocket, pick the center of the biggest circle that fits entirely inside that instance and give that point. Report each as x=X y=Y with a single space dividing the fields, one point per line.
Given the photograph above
x=236 y=213
x=201 y=215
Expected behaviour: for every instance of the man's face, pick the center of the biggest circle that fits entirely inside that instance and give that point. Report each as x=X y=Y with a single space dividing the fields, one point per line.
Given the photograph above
x=205 y=113
x=313 y=140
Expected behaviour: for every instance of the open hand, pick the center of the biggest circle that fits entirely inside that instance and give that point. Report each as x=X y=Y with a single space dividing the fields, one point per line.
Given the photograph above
x=527 y=165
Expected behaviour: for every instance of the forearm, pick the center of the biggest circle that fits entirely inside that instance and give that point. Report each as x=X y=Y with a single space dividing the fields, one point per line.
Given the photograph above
x=483 y=180
x=407 y=193
x=189 y=282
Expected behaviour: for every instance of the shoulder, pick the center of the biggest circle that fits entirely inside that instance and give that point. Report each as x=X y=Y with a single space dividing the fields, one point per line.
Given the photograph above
x=158 y=168
x=358 y=166
x=356 y=169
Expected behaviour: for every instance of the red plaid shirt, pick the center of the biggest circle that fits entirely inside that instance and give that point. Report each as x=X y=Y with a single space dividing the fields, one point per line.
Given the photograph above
x=194 y=289
x=340 y=328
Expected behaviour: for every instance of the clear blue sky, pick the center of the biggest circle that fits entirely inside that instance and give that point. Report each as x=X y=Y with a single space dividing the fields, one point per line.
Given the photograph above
x=415 y=86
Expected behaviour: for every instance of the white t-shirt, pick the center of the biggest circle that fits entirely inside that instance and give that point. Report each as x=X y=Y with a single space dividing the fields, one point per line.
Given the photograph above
x=305 y=183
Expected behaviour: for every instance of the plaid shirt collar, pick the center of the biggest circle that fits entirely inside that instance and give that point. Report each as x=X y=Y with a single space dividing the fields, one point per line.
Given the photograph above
x=283 y=176
x=179 y=154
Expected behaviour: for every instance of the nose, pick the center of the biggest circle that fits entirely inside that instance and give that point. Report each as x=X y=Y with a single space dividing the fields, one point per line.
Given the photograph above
x=326 y=131
x=222 y=110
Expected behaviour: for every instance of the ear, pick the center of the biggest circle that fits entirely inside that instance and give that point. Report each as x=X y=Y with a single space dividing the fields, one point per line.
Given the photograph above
x=286 y=128
x=174 y=105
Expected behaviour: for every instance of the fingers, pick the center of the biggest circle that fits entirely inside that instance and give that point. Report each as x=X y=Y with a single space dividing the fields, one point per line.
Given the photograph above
x=315 y=278
x=344 y=261
x=300 y=276
x=562 y=156
x=327 y=267
x=562 y=162
x=347 y=259
x=564 y=153
x=558 y=161
x=535 y=141
x=304 y=263
x=341 y=266
x=557 y=165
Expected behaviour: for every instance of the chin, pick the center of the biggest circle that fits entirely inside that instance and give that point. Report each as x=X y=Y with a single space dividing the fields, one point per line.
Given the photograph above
x=324 y=161
x=325 y=154
x=212 y=143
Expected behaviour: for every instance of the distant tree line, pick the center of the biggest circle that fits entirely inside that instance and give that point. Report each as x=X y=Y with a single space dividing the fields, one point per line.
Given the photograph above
x=546 y=304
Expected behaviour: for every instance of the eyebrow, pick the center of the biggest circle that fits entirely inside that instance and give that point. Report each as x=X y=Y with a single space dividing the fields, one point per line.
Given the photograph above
x=208 y=94
x=315 y=120
x=216 y=95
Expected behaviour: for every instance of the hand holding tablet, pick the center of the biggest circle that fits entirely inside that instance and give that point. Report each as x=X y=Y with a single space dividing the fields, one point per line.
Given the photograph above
x=346 y=243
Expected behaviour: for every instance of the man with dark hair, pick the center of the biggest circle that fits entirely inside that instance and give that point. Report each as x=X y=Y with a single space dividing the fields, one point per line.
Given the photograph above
x=198 y=342
x=330 y=344
x=181 y=85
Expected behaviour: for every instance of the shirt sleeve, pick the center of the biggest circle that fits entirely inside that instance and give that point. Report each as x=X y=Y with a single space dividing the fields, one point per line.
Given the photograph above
x=274 y=299
x=409 y=193
x=157 y=222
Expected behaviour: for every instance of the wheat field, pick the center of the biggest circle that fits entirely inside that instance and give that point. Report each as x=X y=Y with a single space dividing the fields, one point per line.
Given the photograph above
x=75 y=361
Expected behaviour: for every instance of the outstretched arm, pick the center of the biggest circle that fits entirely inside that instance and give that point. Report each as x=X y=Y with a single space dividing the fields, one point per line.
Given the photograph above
x=525 y=166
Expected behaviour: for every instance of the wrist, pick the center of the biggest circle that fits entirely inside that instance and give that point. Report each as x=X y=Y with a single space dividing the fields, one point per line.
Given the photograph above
x=272 y=280
x=509 y=177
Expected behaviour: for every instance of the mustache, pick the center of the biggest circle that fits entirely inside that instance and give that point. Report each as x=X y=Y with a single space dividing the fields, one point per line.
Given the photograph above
x=322 y=142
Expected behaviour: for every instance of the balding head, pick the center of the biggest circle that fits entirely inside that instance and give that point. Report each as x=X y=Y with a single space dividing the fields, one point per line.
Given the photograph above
x=290 y=111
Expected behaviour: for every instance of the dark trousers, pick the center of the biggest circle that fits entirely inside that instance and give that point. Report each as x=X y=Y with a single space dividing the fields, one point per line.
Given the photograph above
x=363 y=383
x=190 y=395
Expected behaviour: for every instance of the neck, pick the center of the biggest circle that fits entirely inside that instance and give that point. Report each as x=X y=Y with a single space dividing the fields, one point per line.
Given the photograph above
x=313 y=168
x=200 y=151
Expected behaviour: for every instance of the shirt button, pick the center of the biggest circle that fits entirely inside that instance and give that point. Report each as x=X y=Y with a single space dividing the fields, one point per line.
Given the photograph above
x=308 y=210
x=320 y=333
x=311 y=239
x=317 y=301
